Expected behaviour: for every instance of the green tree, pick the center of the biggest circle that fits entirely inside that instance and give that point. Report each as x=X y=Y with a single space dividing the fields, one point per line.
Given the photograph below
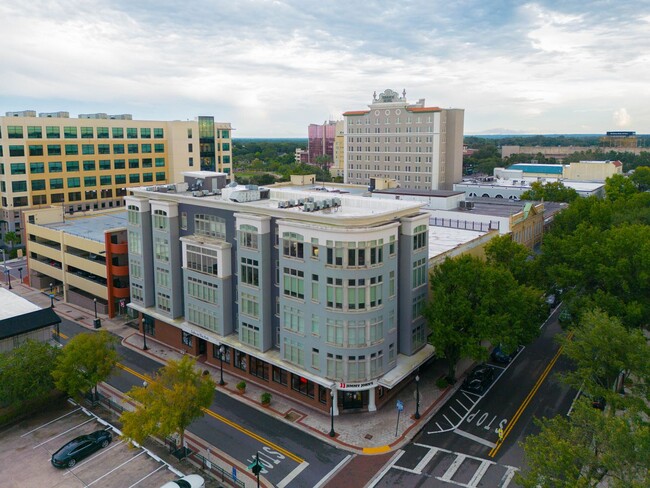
x=12 y=239
x=86 y=360
x=579 y=451
x=26 y=372
x=641 y=178
x=516 y=258
x=472 y=302
x=619 y=186
x=170 y=402
x=604 y=352
x=554 y=191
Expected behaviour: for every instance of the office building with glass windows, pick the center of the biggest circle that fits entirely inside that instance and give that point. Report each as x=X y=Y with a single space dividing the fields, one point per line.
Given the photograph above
x=313 y=297
x=87 y=163
x=419 y=147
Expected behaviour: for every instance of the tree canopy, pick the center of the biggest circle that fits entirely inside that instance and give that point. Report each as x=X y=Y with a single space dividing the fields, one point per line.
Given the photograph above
x=26 y=372
x=86 y=360
x=505 y=252
x=604 y=352
x=472 y=302
x=169 y=402
x=553 y=191
x=580 y=450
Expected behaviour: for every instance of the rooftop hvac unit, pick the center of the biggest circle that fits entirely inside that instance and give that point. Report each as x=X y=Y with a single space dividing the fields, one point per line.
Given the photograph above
x=292 y=203
x=309 y=199
x=309 y=207
x=470 y=205
x=301 y=201
x=463 y=204
x=337 y=202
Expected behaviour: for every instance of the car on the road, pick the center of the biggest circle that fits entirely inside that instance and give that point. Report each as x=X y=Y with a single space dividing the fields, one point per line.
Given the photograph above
x=80 y=447
x=189 y=481
x=498 y=355
x=479 y=379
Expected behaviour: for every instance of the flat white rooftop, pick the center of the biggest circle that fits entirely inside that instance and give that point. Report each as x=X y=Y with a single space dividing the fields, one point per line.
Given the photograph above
x=13 y=305
x=91 y=226
x=444 y=239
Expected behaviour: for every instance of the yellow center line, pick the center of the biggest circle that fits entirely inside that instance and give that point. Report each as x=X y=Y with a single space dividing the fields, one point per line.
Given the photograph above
x=226 y=421
x=61 y=334
x=527 y=400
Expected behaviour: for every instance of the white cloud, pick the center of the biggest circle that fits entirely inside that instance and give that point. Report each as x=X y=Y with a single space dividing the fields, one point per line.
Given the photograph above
x=621 y=118
x=273 y=67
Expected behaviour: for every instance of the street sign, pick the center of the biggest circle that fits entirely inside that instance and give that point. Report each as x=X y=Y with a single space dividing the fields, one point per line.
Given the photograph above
x=400 y=406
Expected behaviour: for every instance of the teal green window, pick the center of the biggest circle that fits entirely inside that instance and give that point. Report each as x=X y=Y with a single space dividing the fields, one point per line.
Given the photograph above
x=146 y=148
x=16 y=150
x=56 y=183
x=133 y=149
x=160 y=176
x=55 y=167
x=120 y=179
x=118 y=148
x=87 y=133
x=54 y=149
x=36 y=168
x=226 y=159
x=15 y=132
x=18 y=186
x=74 y=196
x=102 y=132
x=18 y=169
x=147 y=162
x=146 y=177
x=119 y=164
x=225 y=134
x=90 y=181
x=35 y=150
x=74 y=182
x=118 y=132
x=89 y=165
x=38 y=185
x=104 y=164
x=72 y=166
x=158 y=133
x=53 y=132
x=225 y=146
x=132 y=132
x=134 y=178
x=160 y=162
x=103 y=149
x=71 y=149
x=159 y=148
x=134 y=163
x=70 y=132
x=105 y=180
x=3 y=186
x=87 y=149
x=145 y=133
x=34 y=132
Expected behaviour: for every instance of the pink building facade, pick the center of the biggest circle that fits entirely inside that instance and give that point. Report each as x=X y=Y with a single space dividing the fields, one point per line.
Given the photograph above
x=321 y=141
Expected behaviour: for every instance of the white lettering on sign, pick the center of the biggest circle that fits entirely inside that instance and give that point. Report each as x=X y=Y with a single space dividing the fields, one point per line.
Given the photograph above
x=348 y=386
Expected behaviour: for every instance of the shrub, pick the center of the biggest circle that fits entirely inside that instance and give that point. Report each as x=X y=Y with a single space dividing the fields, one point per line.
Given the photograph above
x=241 y=386
x=442 y=382
x=265 y=398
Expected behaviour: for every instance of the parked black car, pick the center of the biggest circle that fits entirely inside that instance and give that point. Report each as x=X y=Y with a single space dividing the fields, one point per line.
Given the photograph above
x=479 y=379
x=80 y=447
x=499 y=356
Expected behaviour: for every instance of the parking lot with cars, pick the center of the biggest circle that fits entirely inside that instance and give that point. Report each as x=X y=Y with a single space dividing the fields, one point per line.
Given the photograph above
x=27 y=448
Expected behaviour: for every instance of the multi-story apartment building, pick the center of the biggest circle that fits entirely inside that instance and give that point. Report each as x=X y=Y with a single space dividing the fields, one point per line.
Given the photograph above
x=321 y=141
x=338 y=167
x=420 y=147
x=313 y=297
x=88 y=162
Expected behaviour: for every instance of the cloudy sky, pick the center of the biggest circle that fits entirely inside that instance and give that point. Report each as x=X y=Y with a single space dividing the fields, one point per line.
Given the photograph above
x=273 y=67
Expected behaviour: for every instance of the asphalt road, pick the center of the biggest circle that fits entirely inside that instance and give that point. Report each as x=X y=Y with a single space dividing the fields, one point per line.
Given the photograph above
x=460 y=445
x=239 y=430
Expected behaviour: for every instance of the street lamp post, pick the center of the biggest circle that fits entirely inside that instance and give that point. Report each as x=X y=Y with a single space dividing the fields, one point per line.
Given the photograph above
x=51 y=300
x=144 y=336
x=332 y=433
x=96 y=323
x=222 y=351
x=8 y=277
x=20 y=273
x=51 y=288
x=417 y=396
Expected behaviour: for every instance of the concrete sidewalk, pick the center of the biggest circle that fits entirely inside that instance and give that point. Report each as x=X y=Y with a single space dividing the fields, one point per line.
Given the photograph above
x=363 y=433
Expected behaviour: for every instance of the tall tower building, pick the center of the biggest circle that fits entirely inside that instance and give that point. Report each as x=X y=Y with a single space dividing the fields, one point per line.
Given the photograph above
x=418 y=147
x=321 y=140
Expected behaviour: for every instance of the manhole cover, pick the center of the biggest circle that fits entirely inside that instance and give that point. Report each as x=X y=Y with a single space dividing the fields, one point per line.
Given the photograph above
x=368 y=436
